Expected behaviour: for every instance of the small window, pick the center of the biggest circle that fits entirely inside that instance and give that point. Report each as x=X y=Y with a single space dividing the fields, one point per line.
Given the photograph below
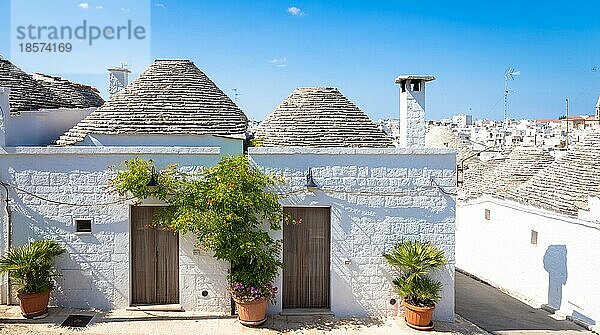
x=416 y=86
x=83 y=226
x=534 y=235
x=487 y=214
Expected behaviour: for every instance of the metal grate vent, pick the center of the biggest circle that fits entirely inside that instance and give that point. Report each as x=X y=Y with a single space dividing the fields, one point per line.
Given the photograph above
x=77 y=321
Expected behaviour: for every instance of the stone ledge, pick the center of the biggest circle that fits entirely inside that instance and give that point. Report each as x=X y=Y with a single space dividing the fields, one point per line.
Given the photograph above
x=349 y=151
x=85 y=150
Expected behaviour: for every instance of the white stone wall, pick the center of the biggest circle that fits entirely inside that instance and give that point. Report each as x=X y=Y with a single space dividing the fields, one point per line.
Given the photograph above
x=363 y=226
x=95 y=270
x=560 y=271
x=412 y=117
x=40 y=127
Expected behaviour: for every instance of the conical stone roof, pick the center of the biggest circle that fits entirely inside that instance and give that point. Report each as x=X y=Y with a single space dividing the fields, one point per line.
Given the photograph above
x=169 y=97
x=320 y=117
x=497 y=178
x=443 y=137
x=76 y=95
x=565 y=185
x=26 y=93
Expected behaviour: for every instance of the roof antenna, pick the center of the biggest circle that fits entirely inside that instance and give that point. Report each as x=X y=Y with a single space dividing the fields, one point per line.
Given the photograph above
x=509 y=75
x=236 y=95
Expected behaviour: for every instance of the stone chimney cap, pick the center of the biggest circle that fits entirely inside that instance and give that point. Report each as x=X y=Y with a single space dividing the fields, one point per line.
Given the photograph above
x=122 y=69
x=414 y=76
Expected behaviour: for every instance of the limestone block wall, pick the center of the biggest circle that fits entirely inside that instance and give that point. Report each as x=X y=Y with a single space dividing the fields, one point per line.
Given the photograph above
x=95 y=271
x=558 y=267
x=370 y=213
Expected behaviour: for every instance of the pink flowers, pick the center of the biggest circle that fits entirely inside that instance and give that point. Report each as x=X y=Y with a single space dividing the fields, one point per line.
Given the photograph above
x=241 y=293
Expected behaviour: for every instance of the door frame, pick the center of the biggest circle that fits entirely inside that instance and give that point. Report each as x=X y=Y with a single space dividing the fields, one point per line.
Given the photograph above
x=330 y=254
x=130 y=238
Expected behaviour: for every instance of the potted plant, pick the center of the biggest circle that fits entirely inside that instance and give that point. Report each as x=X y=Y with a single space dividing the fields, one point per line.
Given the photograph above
x=414 y=260
x=231 y=211
x=31 y=267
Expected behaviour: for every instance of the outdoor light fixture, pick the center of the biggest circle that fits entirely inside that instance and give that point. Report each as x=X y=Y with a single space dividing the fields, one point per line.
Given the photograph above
x=152 y=183
x=311 y=186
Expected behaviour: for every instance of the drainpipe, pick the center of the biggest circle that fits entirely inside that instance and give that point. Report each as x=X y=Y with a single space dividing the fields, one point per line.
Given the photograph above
x=9 y=238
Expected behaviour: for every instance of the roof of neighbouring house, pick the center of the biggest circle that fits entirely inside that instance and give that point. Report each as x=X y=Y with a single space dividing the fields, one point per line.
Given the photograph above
x=28 y=93
x=320 y=117
x=169 y=97
x=564 y=186
x=78 y=95
x=443 y=137
x=497 y=177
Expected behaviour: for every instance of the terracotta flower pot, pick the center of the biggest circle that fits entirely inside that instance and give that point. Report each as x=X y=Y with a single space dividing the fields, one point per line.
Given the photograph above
x=419 y=317
x=252 y=313
x=34 y=305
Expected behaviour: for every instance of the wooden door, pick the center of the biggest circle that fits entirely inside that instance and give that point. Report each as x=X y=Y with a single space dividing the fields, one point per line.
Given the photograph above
x=154 y=261
x=306 y=248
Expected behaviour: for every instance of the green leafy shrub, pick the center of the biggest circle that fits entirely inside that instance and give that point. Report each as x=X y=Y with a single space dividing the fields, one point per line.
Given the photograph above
x=31 y=267
x=414 y=260
x=226 y=206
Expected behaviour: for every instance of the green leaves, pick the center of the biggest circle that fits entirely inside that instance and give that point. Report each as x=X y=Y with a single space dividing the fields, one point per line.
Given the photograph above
x=226 y=206
x=31 y=266
x=414 y=260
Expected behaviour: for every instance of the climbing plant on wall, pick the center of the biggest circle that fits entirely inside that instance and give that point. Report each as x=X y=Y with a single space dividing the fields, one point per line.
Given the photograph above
x=227 y=206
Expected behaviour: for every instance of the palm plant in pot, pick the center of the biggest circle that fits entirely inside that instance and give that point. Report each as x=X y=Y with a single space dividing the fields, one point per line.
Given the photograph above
x=414 y=260
x=31 y=267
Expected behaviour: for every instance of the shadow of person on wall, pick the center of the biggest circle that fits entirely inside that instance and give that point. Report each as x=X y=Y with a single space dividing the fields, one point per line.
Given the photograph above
x=555 y=263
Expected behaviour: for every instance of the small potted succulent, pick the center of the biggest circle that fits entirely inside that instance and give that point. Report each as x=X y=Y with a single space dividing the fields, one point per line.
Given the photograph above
x=414 y=260
x=31 y=267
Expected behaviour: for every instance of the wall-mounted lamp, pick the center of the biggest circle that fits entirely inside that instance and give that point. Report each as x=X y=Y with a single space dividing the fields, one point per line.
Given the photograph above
x=311 y=186
x=152 y=183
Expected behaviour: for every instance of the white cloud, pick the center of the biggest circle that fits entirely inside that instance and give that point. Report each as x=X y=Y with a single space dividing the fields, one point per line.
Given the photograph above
x=84 y=5
x=159 y=4
x=279 y=62
x=295 y=11
x=125 y=9
x=99 y=7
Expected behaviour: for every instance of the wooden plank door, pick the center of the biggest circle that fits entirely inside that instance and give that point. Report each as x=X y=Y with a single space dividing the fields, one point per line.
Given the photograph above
x=154 y=261
x=306 y=248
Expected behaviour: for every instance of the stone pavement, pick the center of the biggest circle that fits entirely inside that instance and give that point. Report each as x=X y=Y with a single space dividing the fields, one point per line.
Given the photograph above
x=159 y=323
x=499 y=313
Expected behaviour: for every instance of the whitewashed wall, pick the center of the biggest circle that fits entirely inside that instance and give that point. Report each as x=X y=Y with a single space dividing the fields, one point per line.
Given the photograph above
x=560 y=271
x=40 y=127
x=95 y=270
x=365 y=226
x=232 y=145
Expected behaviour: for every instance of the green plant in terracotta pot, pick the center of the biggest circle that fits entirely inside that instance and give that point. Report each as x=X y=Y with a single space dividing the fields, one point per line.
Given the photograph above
x=230 y=210
x=31 y=268
x=414 y=260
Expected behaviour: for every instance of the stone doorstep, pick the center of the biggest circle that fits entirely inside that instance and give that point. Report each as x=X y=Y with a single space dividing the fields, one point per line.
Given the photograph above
x=306 y=311
x=156 y=308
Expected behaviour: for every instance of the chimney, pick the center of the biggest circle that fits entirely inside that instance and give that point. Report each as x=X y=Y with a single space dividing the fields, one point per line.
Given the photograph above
x=118 y=78
x=4 y=114
x=598 y=109
x=412 y=110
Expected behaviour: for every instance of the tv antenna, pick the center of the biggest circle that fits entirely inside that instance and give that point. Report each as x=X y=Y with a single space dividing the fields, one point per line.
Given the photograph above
x=509 y=75
x=236 y=95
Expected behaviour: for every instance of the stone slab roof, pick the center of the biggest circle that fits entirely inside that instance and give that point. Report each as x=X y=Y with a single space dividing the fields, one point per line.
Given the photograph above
x=499 y=176
x=77 y=95
x=565 y=185
x=170 y=97
x=443 y=137
x=29 y=94
x=320 y=117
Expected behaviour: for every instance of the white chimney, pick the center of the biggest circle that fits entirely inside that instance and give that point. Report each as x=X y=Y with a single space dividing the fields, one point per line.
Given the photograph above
x=412 y=110
x=118 y=78
x=4 y=114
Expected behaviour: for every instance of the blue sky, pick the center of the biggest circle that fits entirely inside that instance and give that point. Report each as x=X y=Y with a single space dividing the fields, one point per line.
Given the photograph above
x=265 y=50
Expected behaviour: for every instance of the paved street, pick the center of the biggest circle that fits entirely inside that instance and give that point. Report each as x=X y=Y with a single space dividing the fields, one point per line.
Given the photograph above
x=123 y=322
x=499 y=313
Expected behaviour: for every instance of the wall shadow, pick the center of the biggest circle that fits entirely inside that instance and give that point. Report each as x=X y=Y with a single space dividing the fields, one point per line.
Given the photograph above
x=555 y=263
